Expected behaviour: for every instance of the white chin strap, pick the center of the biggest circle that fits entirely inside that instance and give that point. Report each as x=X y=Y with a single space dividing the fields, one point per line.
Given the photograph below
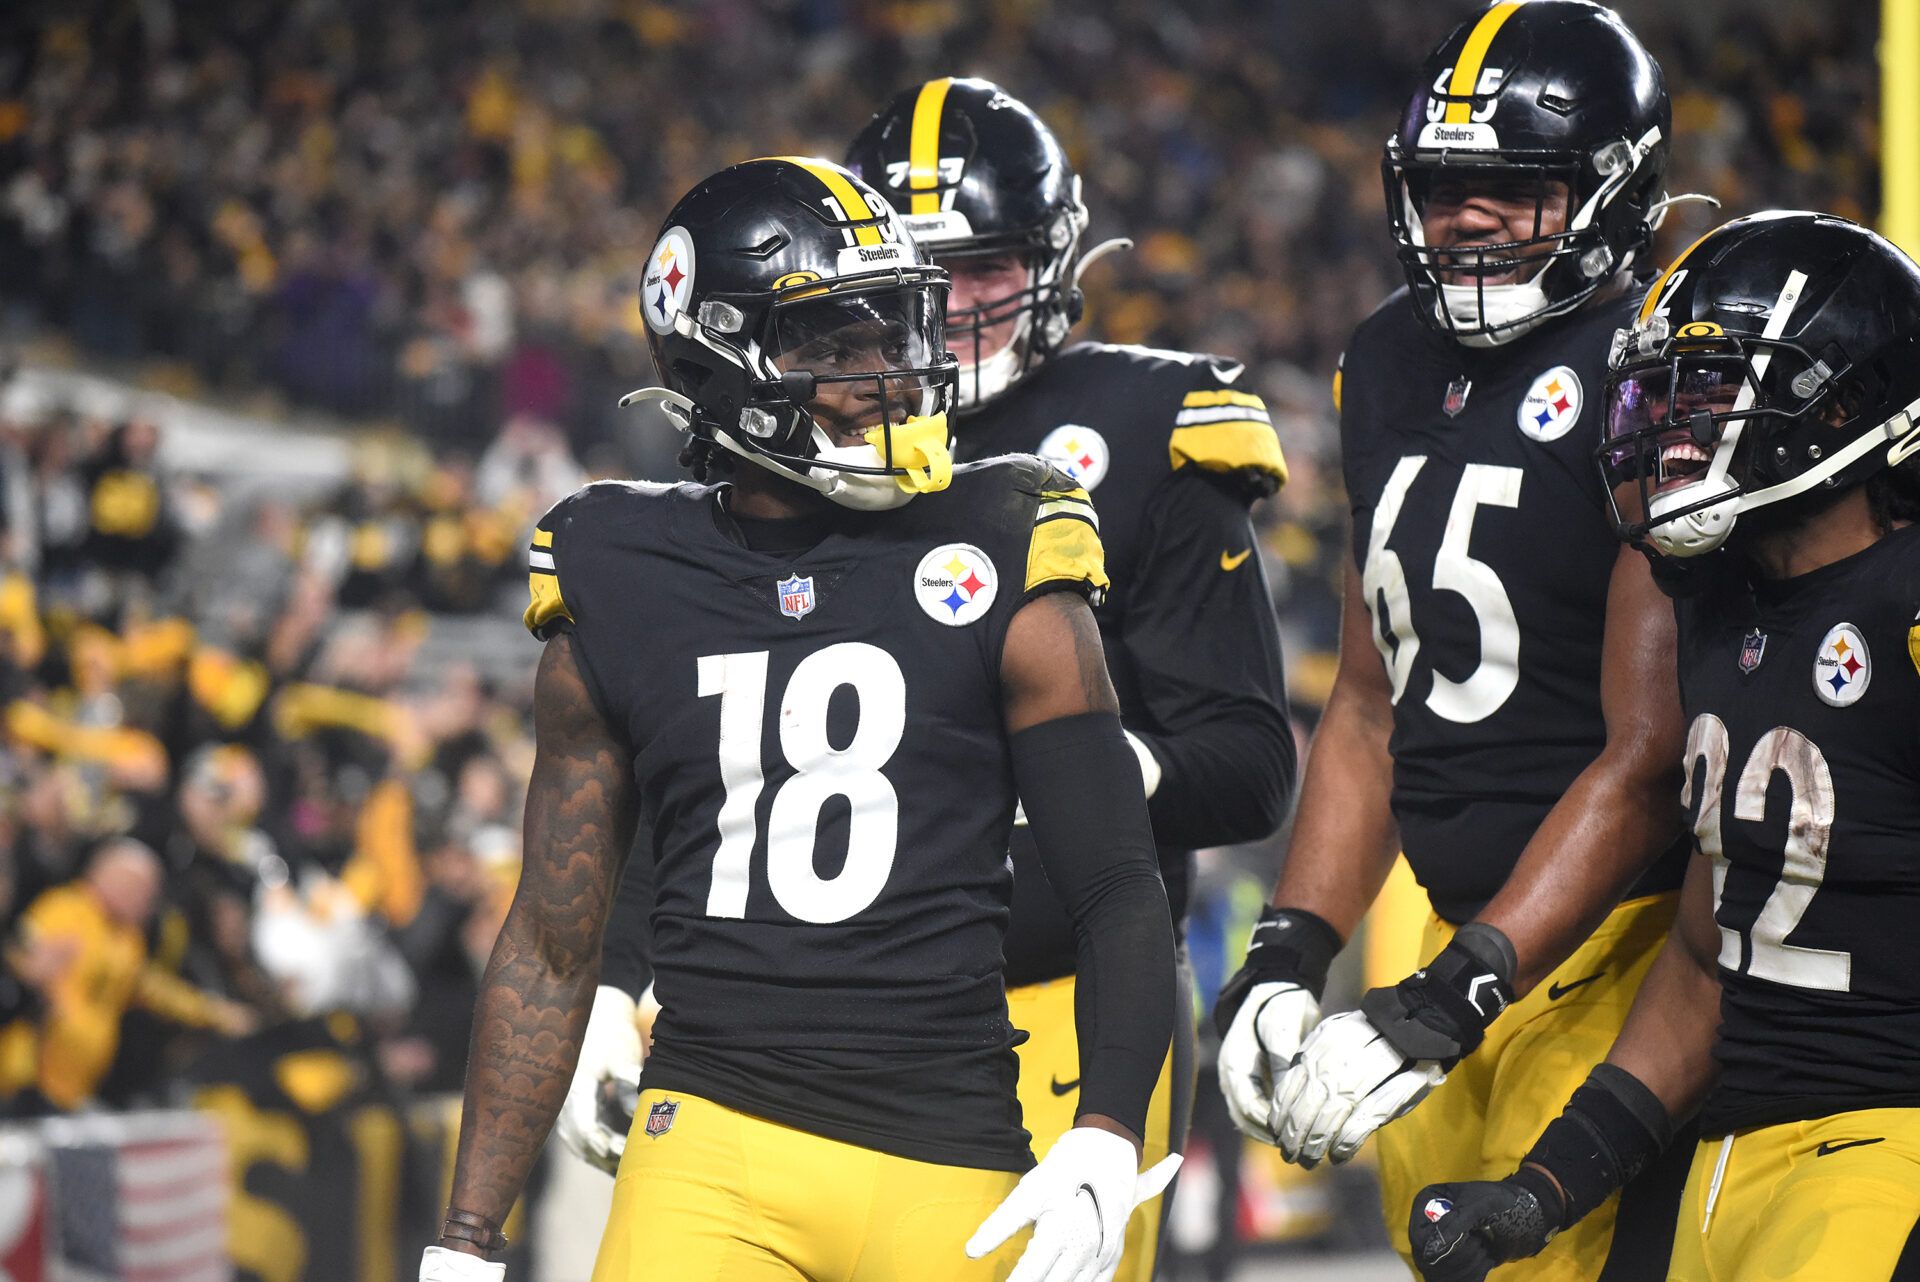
x=1505 y=312
x=986 y=381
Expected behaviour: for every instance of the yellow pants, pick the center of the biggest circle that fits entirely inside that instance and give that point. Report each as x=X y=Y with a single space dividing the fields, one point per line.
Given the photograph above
x=719 y=1196
x=1480 y=1122
x=1049 y=1095
x=1832 y=1198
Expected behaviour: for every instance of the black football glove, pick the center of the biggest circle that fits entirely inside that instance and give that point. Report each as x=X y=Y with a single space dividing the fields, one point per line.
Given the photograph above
x=1461 y=1232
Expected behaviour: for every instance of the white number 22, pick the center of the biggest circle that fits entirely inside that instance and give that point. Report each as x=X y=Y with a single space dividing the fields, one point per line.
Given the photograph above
x=1384 y=581
x=821 y=771
x=1809 y=828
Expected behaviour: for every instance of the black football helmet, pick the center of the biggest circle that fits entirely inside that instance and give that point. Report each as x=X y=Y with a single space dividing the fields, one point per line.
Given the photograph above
x=1524 y=96
x=1777 y=361
x=974 y=172
x=787 y=310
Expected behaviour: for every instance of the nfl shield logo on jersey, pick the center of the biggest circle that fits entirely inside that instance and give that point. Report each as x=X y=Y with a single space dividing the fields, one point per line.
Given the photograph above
x=796 y=596
x=660 y=1117
x=1456 y=398
x=1752 y=650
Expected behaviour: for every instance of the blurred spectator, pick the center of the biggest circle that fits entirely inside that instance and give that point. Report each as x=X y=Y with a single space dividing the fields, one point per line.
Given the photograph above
x=97 y=924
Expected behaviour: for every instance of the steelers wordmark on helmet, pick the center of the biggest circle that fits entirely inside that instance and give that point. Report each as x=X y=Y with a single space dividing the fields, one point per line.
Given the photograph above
x=955 y=584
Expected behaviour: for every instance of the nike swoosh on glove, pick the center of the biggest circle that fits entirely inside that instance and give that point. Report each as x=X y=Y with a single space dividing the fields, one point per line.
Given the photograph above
x=1077 y=1199
x=610 y=1052
x=1259 y=1048
x=439 y=1264
x=1461 y=1232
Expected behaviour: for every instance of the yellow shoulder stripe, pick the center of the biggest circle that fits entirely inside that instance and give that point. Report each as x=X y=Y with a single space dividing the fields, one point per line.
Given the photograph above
x=1339 y=373
x=1221 y=396
x=545 y=607
x=1229 y=446
x=1066 y=542
x=849 y=197
x=1066 y=549
x=923 y=154
x=1466 y=72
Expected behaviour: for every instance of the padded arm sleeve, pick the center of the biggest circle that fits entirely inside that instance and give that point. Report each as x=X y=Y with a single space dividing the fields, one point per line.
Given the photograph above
x=1079 y=782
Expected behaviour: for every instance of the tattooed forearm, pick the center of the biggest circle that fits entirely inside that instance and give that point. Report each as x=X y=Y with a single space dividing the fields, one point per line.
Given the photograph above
x=539 y=982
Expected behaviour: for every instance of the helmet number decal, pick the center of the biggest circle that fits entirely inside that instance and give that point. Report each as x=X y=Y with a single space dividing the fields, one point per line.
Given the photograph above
x=1491 y=78
x=820 y=771
x=950 y=170
x=1668 y=288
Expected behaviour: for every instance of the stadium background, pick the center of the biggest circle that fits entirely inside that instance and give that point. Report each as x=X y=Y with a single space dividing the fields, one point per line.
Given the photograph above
x=309 y=308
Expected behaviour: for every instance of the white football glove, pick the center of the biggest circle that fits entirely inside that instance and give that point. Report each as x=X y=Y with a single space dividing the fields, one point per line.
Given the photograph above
x=1258 y=1050
x=1349 y=1082
x=610 y=1050
x=1078 y=1200
x=441 y=1265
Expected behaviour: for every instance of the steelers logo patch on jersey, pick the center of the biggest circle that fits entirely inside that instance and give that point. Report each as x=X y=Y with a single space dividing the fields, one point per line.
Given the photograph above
x=1842 y=668
x=955 y=584
x=1078 y=451
x=669 y=280
x=1552 y=405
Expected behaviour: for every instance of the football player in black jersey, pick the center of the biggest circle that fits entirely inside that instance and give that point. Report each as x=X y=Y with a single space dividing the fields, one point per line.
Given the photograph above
x=1502 y=712
x=816 y=689
x=1762 y=427
x=1176 y=450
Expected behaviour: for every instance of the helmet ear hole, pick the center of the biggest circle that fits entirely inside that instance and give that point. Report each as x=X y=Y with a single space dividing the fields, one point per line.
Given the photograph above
x=1076 y=305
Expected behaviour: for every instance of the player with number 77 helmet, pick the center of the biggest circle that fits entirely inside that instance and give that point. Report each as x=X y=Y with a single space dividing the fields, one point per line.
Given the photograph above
x=815 y=684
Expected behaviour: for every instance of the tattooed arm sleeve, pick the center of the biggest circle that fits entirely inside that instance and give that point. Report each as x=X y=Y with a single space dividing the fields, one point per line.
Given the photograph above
x=539 y=983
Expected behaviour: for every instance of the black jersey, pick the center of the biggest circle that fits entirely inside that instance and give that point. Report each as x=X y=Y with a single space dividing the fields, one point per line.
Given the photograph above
x=1803 y=702
x=825 y=785
x=1485 y=546
x=1174 y=450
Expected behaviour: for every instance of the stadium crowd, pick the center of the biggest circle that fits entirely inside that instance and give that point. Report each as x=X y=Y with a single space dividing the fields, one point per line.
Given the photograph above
x=231 y=792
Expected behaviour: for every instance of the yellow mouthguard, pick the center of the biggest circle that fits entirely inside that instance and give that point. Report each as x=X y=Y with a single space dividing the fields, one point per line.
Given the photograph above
x=920 y=447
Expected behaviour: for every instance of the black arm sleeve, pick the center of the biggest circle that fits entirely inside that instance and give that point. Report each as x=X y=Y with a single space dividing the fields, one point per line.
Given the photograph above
x=627 y=947
x=1097 y=850
x=1202 y=651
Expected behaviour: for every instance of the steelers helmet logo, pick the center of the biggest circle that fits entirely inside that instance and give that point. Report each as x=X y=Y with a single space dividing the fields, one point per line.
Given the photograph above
x=1552 y=405
x=955 y=584
x=668 y=284
x=1078 y=451
x=1842 y=667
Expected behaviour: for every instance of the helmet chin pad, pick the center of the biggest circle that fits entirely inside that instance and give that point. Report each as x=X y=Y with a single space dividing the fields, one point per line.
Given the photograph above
x=1698 y=532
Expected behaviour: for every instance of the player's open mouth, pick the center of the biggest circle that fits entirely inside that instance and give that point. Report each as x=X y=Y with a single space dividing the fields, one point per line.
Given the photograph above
x=1681 y=462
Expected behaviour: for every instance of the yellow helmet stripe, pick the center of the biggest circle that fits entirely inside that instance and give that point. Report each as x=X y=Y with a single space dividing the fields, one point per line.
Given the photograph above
x=923 y=152
x=1466 y=72
x=851 y=201
x=1660 y=283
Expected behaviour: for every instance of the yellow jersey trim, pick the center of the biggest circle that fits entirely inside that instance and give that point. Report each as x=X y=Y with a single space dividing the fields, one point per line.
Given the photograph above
x=1231 y=445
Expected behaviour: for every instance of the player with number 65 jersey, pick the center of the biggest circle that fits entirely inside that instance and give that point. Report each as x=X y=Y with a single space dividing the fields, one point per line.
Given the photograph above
x=1504 y=710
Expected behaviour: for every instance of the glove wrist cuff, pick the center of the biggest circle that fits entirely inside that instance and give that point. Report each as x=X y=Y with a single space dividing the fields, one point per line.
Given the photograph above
x=1288 y=946
x=1612 y=1128
x=1441 y=1013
